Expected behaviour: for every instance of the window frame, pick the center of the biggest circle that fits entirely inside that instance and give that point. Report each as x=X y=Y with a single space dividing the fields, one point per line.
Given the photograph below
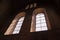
x=18 y=24
x=13 y=24
x=37 y=11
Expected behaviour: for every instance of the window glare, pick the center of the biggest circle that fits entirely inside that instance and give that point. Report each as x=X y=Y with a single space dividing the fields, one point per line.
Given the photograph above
x=41 y=22
x=18 y=26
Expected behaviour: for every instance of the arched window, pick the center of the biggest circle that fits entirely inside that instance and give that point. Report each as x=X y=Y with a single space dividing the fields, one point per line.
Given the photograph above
x=40 y=21
x=16 y=24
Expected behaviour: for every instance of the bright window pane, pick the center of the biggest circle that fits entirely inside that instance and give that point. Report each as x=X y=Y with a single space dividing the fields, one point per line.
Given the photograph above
x=41 y=22
x=40 y=15
x=38 y=29
x=38 y=21
x=44 y=28
x=18 y=26
x=37 y=25
x=16 y=31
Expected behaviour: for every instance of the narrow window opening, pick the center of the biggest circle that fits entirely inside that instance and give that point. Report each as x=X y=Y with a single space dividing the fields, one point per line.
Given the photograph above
x=18 y=26
x=15 y=28
x=41 y=24
x=38 y=23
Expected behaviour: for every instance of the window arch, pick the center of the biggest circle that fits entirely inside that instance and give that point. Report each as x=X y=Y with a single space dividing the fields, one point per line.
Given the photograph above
x=40 y=21
x=16 y=24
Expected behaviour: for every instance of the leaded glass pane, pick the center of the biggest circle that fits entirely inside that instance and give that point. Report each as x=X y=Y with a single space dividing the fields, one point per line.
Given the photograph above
x=41 y=22
x=18 y=26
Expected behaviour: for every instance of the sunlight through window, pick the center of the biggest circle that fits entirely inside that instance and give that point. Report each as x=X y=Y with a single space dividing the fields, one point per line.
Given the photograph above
x=18 y=26
x=41 y=22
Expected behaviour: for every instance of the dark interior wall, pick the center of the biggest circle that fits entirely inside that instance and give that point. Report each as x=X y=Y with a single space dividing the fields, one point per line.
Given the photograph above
x=25 y=33
x=54 y=18
x=4 y=13
x=45 y=35
x=13 y=9
x=55 y=24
